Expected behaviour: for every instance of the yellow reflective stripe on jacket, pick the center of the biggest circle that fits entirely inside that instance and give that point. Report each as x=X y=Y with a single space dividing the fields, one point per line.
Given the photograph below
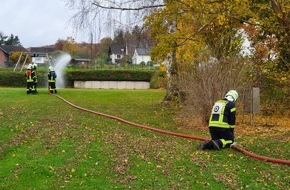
x=218 y=109
x=29 y=79
x=50 y=79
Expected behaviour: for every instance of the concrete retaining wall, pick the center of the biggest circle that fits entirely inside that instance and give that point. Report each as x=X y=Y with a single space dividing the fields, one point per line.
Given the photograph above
x=112 y=84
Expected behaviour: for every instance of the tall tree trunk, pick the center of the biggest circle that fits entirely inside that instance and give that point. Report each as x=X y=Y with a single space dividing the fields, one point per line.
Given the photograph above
x=173 y=93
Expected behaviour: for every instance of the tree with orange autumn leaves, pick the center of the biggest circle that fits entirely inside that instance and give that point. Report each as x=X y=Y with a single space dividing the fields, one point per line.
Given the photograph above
x=218 y=27
x=269 y=32
x=15 y=55
x=191 y=33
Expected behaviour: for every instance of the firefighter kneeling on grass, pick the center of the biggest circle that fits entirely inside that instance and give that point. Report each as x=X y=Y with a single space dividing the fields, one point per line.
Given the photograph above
x=51 y=80
x=222 y=122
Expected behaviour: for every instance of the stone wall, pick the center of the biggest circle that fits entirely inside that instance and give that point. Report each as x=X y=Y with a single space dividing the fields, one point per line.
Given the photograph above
x=112 y=84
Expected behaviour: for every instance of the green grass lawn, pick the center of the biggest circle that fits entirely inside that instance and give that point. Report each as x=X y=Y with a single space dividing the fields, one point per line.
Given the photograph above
x=47 y=144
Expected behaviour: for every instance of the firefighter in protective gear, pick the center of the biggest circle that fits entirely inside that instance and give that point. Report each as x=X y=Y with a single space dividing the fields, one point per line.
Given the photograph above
x=34 y=77
x=51 y=80
x=222 y=123
x=29 y=80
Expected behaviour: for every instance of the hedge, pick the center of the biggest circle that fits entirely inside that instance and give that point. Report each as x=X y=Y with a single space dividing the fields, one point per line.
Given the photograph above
x=9 y=78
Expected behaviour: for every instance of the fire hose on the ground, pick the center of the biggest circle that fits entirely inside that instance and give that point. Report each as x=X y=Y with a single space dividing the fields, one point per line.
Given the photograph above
x=235 y=147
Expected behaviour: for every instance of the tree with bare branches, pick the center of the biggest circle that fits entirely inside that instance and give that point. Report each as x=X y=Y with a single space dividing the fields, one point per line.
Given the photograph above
x=200 y=41
x=110 y=14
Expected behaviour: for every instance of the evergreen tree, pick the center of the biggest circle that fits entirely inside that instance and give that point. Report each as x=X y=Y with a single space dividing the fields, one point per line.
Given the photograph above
x=3 y=38
x=11 y=40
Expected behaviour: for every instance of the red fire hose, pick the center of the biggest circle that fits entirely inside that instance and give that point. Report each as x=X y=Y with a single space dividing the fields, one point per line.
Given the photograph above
x=235 y=147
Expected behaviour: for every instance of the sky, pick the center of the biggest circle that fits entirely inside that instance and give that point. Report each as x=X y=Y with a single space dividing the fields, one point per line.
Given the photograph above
x=41 y=22
x=38 y=22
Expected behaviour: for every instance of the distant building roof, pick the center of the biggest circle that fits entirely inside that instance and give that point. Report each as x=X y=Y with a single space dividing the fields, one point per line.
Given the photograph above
x=42 y=49
x=75 y=60
x=117 y=49
x=10 y=48
x=142 y=51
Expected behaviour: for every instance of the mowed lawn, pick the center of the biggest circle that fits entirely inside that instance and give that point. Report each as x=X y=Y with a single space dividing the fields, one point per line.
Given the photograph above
x=47 y=144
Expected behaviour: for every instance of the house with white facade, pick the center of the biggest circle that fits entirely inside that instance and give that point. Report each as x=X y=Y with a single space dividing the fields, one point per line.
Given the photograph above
x=117 y=52
x=40 y=55
x=141 y=55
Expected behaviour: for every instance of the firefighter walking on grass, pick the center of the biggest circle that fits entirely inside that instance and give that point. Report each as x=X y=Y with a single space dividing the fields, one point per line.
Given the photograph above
x=51 y=80
x=222 y=123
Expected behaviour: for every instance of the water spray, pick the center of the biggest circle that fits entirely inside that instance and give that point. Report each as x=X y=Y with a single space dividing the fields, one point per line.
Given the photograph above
x=60 y=63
